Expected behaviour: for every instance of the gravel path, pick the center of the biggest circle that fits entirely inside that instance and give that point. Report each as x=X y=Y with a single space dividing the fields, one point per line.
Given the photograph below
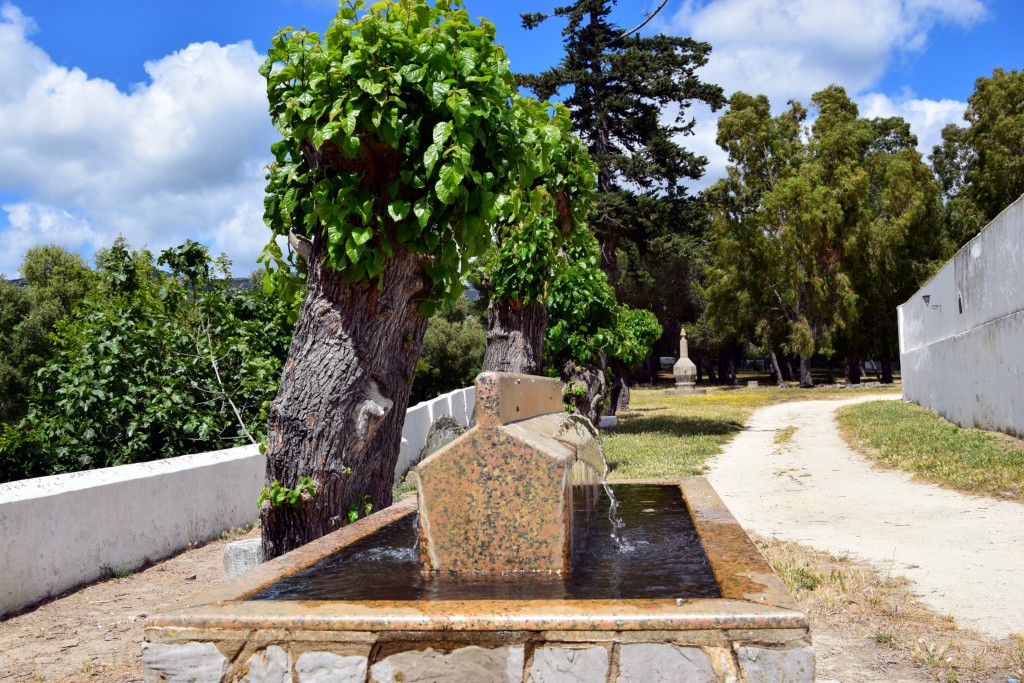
x=964 y=553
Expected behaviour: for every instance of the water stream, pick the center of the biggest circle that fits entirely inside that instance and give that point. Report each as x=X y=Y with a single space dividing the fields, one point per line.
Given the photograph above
x=577 y=422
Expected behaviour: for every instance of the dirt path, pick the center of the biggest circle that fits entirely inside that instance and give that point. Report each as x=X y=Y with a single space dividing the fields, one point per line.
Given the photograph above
x=965 y=554
x=95 y=633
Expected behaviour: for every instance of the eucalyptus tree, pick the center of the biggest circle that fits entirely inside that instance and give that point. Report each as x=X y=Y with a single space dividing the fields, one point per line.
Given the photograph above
x=817 y=241
x=399 y=148
x=981 y=167
x=898 y=246
x=747 y=286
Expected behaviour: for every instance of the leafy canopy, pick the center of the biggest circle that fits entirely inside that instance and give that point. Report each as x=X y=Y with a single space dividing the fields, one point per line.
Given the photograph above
x=396 y=129
x=554 y=191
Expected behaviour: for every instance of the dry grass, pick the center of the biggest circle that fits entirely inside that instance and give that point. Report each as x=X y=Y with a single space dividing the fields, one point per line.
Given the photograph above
x=840 y=593
x=911 y=438
x=784 y=435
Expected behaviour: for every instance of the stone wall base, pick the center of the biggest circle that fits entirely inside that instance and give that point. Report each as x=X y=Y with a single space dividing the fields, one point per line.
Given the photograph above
x=783 y=656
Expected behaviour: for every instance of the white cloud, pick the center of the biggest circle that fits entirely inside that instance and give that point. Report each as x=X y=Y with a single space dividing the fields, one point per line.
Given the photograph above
x=792 y=48
x=179 y=156
x=927 y=118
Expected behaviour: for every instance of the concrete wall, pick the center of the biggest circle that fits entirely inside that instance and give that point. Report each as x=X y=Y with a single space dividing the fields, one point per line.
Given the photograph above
x=59 y=532
x=458 y=404
x=962 y=352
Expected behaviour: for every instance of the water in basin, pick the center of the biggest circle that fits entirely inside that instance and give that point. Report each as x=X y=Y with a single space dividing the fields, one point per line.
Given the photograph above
x=657 y=555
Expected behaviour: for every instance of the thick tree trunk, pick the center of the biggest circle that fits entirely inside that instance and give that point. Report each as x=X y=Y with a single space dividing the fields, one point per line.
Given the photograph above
x=586 y=389
x=339 y=411
x=886 y=369
x=777 y=370
x=621 y=379
x=653 y=365
x=711 y=373
x=806 y=380
x=515 y=337
x=853 y=370
x=610 y=259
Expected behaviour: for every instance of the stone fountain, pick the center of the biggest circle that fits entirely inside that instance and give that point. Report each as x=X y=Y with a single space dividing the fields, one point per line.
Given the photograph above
x=502 y=570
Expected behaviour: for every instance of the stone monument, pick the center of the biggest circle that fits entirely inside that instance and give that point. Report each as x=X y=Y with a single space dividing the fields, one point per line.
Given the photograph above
x=684 y=370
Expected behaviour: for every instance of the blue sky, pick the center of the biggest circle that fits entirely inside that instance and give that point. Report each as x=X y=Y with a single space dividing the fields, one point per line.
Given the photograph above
x=148 y=119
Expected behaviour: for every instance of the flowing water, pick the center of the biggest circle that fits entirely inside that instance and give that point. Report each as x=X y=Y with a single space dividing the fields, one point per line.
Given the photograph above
x=656 y=554
x=578 y=422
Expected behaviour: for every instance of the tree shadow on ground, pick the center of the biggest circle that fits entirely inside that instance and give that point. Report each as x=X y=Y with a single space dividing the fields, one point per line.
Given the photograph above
x=679 y=426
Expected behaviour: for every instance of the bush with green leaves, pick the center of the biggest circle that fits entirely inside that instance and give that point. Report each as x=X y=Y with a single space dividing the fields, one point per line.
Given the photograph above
x=453 y=350
x=155 y=364
x=55 y=279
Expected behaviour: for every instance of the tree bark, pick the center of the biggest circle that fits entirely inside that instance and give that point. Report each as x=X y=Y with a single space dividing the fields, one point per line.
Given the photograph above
x=585 y=387
x=515 y=337
x=777 y=370
x=788 y=367
x=853 y=370
x=886 y=369
x=621 y=379
x=806 y=380
x=338 y=414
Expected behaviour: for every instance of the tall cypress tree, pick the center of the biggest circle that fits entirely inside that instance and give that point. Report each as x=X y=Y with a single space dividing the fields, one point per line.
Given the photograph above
x=623 y=88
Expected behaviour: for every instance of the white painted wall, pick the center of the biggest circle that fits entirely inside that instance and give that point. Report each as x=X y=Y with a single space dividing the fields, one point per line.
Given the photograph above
x=962 y=353
x=59 y=532
x=458 y=404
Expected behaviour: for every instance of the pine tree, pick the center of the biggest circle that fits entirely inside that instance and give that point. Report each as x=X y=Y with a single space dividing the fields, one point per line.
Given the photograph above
x=623 y=86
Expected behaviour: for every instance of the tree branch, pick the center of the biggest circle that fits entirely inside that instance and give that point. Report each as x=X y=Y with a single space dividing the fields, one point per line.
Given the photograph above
x=643 y=23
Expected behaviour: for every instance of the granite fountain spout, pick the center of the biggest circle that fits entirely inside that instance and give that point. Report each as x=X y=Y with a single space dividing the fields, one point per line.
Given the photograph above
x=505 y=496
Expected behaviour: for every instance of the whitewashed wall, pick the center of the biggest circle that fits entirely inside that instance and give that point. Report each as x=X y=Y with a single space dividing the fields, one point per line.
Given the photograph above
x=962 y=353
x=458 y=404
x=59 y=532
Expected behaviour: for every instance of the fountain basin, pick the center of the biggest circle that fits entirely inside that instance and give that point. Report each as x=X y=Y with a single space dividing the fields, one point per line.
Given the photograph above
x=753 y=632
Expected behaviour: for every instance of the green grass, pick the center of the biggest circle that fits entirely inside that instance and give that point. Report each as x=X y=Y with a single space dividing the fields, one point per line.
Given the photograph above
x=911 y=438
x=665 y=436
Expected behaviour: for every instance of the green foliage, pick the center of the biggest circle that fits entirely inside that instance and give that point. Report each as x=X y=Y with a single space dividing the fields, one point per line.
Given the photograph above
x=581 y=306
x=395 y=129
x=813 y=237
x=362 y=507
x=552 y=195
x=585 y=323
x=634 y=333
x=453 y=351
x=155 y=364
x=981 y=167
x=55 y=280
x=277 y=495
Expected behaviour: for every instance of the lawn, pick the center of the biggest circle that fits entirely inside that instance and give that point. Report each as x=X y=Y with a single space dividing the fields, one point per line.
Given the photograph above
x=912 y=438
x=667 y=436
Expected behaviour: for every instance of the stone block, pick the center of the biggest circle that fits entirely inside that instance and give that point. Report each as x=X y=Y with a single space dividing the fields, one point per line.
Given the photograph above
x=183 y=663
x=609 y=422
x=272 y=665
x=241 y=556
x=327 y=667
x=477 y=664
x=760 y=665
x=649 y=662
x=568 y=665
